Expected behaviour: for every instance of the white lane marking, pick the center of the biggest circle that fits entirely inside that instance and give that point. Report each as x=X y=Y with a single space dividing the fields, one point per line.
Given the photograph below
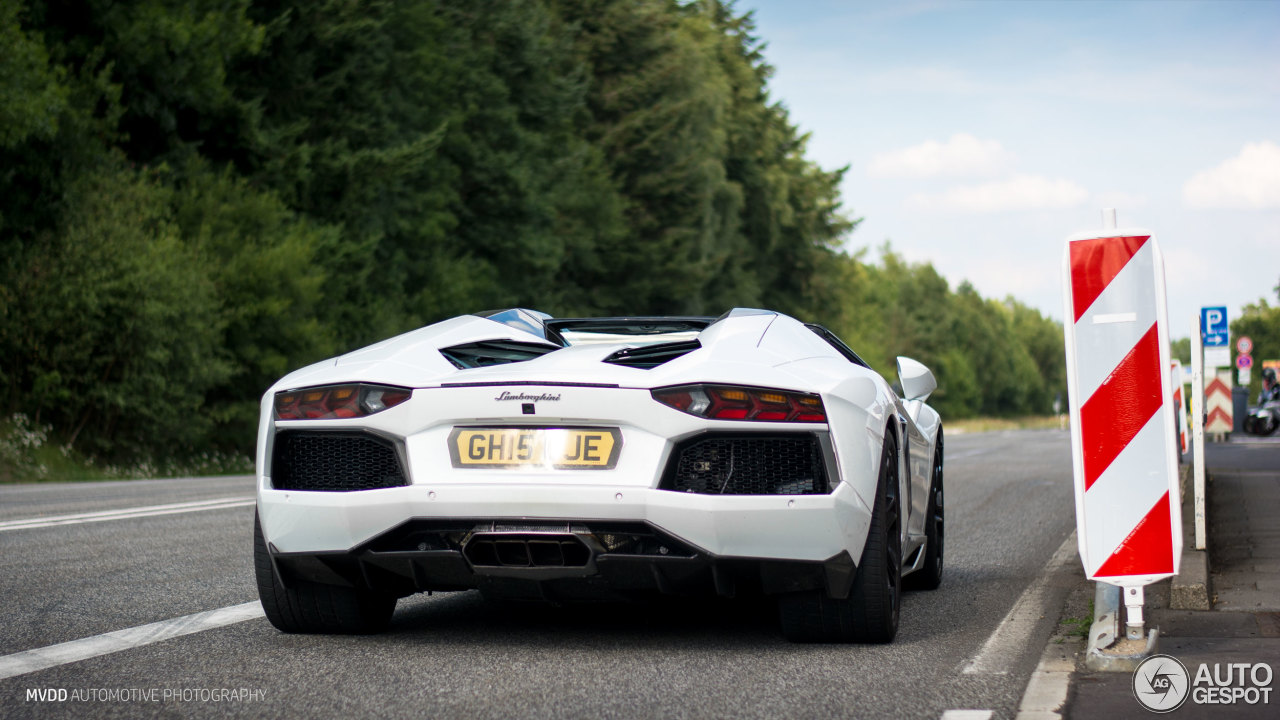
x=1046 y=691
x=29 y=661
x=134 y=512
x=967 y=715
x=1010 y=637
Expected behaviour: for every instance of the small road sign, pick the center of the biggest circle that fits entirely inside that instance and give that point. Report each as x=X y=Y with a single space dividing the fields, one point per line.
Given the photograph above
x=1244 y=345
x=1244 y=362
x=1217 y=404
x=1213 y=325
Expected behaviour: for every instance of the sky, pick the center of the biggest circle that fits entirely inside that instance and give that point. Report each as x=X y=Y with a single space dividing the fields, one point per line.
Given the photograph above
x=980 y=135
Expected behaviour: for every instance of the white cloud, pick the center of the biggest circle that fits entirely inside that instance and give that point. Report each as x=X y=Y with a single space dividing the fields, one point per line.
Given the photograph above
x=1250 y=181
x=1020 y=192
x=962 y=156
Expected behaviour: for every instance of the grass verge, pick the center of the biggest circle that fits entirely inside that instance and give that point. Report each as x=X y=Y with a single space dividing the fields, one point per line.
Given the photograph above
x=28 y=455
x=978 y=425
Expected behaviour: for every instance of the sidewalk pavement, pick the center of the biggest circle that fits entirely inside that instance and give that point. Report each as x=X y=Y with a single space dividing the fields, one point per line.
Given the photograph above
x=1243 y=588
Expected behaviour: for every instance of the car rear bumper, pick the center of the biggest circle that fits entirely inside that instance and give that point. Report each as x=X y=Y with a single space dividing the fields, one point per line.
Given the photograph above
x=793 y=527
x=412 y=538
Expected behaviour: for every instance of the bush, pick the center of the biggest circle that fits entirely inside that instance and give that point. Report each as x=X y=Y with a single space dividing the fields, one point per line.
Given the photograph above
x=114 y=332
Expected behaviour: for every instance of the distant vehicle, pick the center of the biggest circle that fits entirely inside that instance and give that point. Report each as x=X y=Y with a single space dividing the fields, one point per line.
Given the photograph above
x=576 y=459
x=1263 y=419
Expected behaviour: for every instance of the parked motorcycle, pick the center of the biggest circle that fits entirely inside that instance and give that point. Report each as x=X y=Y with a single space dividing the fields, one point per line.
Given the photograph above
x=1264 y=419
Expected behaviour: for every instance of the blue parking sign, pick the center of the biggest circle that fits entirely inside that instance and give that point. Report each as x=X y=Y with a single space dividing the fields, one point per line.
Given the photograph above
x=1213 y=326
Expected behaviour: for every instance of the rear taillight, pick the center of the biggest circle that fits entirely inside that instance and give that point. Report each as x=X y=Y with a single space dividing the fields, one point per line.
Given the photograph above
x=732 y=402
x=338 y=401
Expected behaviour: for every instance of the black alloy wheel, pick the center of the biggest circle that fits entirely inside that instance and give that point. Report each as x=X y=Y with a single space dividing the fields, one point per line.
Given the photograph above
x=929 y=576
x=870 y=613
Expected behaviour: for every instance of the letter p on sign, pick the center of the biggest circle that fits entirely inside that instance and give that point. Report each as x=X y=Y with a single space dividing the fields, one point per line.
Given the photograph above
x=1123 y=444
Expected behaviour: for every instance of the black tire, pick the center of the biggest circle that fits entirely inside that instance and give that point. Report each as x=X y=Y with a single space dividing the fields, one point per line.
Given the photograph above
x=929 y=576
x=1268 y=428
x=870 y=613
x=308 y=607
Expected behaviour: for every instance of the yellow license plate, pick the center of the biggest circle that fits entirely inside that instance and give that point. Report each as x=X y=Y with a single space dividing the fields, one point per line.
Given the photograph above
x=550 y=448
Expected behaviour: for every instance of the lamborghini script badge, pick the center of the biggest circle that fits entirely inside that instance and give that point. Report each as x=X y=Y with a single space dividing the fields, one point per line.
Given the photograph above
x=526 y=397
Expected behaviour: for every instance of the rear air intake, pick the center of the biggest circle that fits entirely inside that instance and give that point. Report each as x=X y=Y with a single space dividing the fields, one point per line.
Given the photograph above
x=334 y=462
x=646 y=357
x=494 y=352
x=790 y=464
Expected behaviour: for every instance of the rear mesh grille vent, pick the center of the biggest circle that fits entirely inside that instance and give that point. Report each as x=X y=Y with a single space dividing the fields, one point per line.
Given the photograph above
x=748 y=465
x=335 y=462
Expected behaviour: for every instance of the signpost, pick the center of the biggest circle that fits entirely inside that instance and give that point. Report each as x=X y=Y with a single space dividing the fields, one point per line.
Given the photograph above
x=1123 y=445
x=1197 y=435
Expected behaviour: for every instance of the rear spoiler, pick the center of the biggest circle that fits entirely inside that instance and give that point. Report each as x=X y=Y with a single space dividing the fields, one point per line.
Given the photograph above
x=625 y=325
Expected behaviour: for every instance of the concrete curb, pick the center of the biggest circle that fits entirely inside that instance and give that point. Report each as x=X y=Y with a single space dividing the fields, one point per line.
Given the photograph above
x=1047 y=689
x=1190 y=588
x=1107 y=650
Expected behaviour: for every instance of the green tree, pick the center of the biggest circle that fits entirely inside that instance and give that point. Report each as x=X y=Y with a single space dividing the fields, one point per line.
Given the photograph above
x=1260 y=322
x=1043 y=341
x=261 y=260
x=657 y=101
x=33 y=94
x=114 y=336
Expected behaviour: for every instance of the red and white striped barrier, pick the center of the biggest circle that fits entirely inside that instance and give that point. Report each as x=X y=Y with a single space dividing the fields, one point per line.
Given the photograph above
x=1128 y=515
x=1180 y=407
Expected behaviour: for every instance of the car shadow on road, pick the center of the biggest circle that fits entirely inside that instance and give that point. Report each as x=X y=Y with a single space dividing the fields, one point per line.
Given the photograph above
x=467 y=617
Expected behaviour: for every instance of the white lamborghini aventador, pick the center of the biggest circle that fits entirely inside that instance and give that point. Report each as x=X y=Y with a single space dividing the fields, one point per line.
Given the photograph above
x=584 y=458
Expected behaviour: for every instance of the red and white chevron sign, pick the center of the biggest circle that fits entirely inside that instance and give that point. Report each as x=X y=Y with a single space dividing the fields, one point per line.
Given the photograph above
x=1217 y=405
x=1128 y=517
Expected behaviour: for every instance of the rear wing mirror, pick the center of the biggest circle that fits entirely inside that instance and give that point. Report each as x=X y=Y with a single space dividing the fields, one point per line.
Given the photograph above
x=917 y=380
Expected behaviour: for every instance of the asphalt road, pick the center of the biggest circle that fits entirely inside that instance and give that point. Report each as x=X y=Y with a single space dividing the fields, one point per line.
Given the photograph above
x=453 y=655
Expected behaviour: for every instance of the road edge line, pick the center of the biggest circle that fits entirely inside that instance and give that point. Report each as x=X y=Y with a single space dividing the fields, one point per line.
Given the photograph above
x=34 y=660
x=1029 y=609
x=126 y=513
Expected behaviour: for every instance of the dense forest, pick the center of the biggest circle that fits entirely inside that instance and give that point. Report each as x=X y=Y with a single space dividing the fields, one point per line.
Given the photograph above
x=198 y=196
